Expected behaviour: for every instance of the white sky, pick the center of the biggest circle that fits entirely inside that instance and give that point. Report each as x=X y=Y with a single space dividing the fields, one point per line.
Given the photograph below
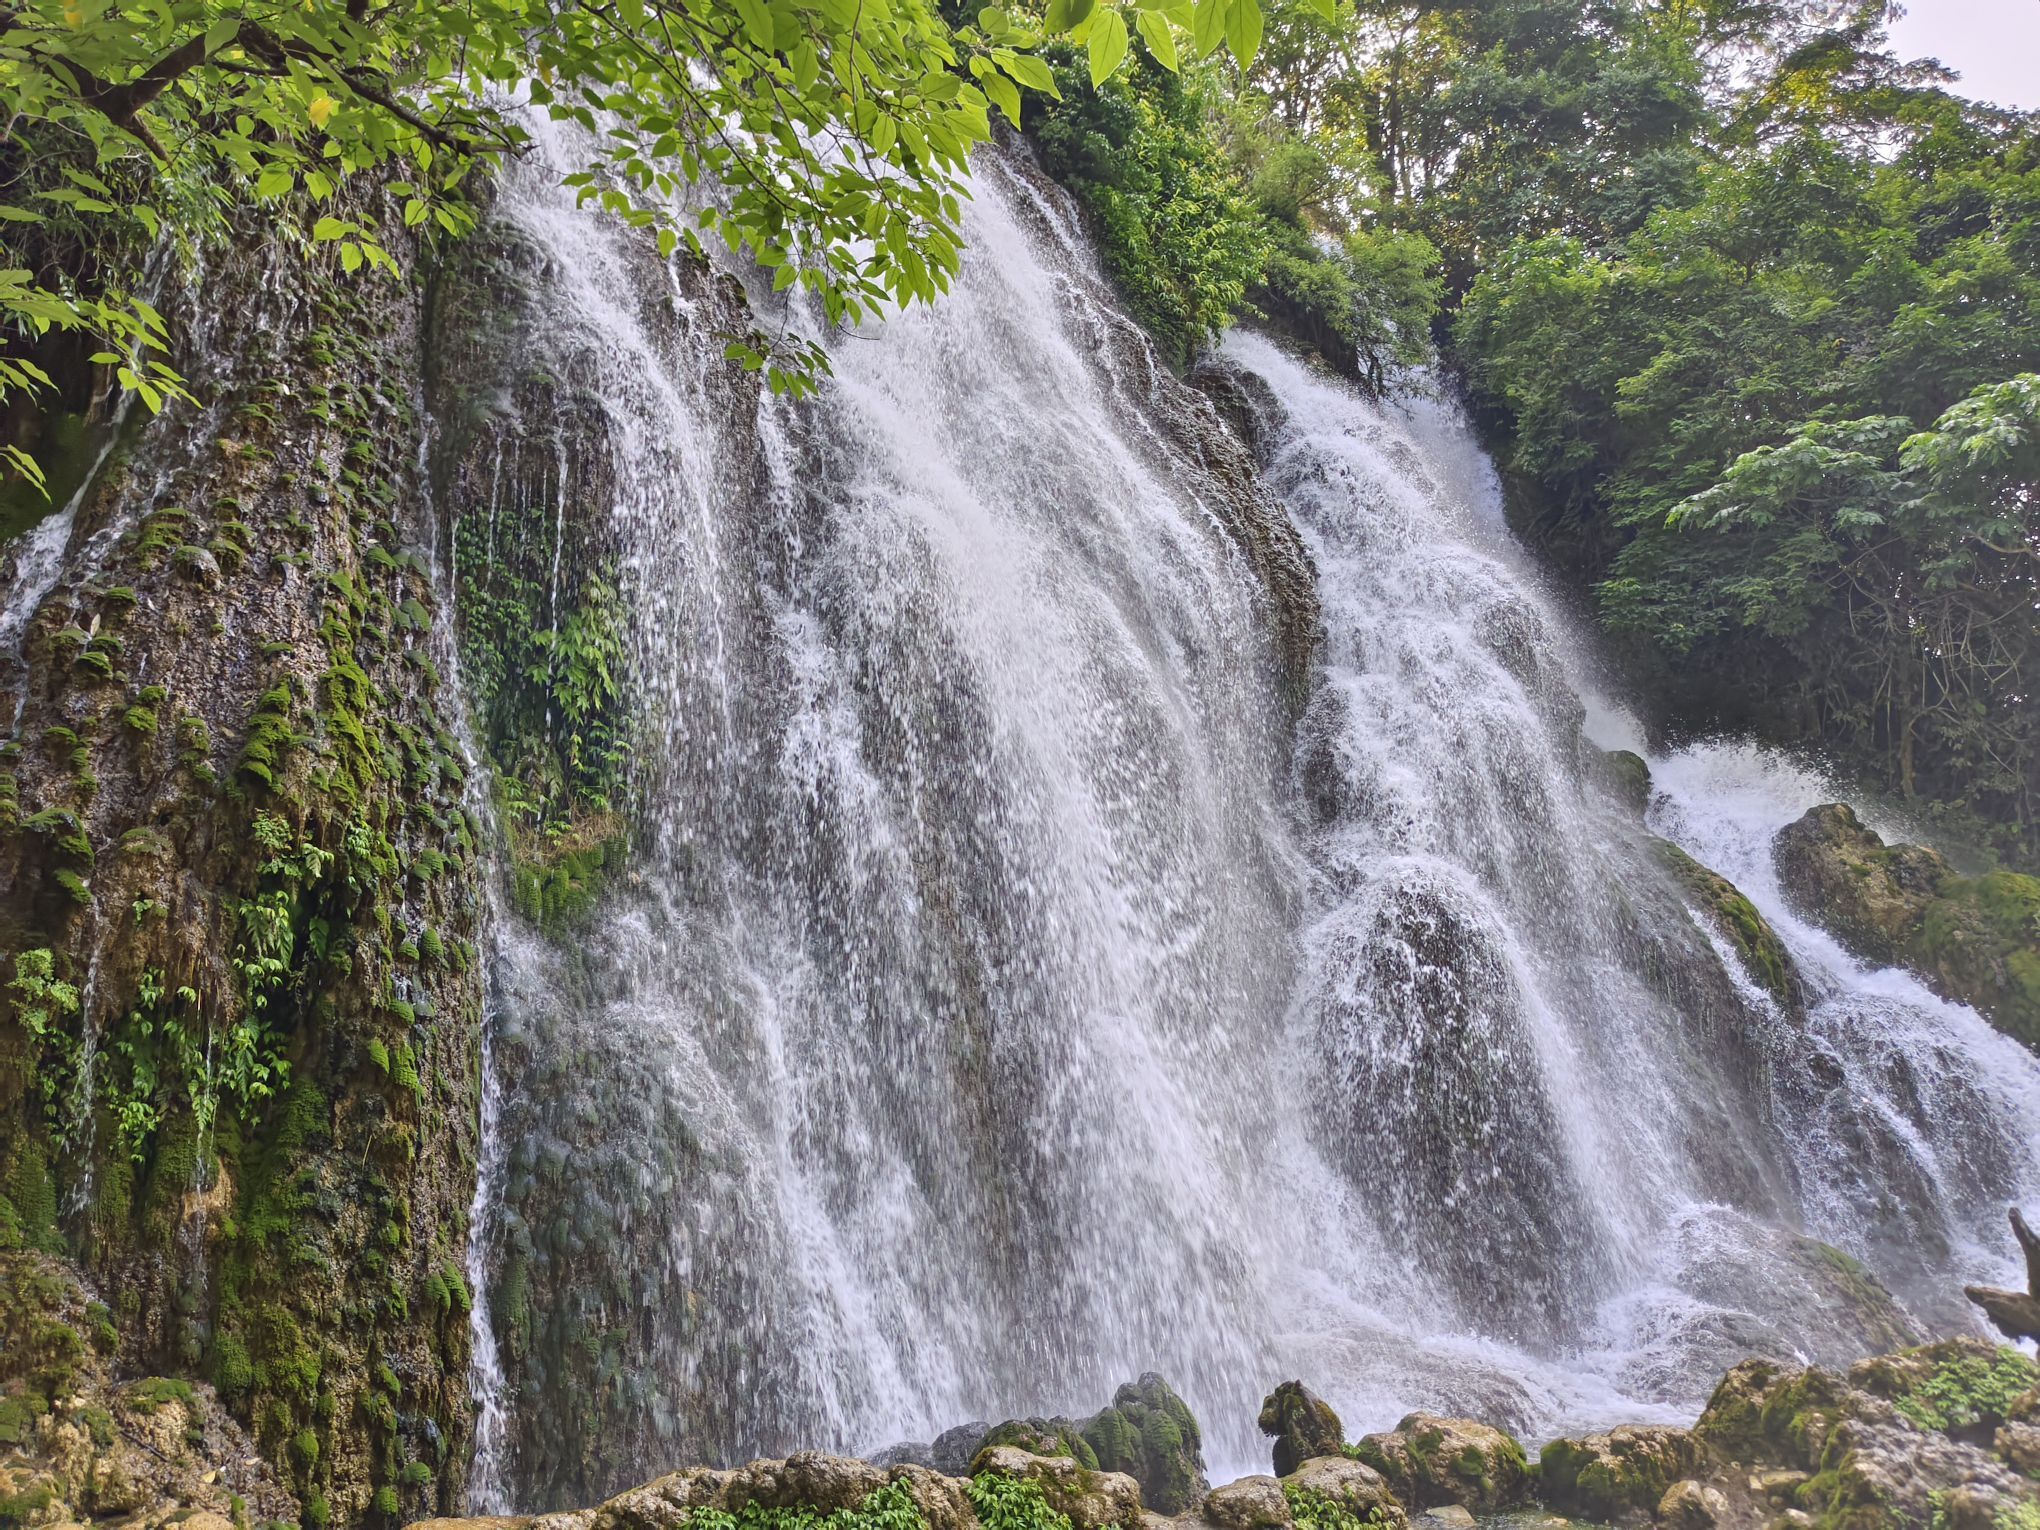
x=1993 y=44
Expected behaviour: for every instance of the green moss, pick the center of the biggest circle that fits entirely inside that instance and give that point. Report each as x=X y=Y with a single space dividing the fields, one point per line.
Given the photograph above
x=154 y=1391
x=1967 y=1389
x=17 y=1418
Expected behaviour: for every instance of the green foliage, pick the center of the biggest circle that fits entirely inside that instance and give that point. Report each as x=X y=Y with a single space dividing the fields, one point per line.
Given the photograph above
x=1967 y=1390
x=1788 y=425
x=1171 y=217
x=44 y=1004
x=891 y=1507
x=1315 y=1511
x=1007 y=1503
x=155 y=118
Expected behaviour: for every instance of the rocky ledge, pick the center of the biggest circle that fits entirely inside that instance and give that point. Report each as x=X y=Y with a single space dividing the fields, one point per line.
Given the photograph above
x=1941 y=1437
x=1975 y=940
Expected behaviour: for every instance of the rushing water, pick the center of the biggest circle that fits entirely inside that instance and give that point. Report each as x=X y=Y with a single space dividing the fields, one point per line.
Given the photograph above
x=1013 y=997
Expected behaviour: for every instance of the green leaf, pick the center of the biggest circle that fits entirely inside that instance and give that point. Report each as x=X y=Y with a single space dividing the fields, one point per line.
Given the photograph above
x=1004 y=94
x=1108 y=46
x=331 y=228
x=1030 y=71
x=1243 y=30
x=757 y=23
x=1207 y=29
x=1328 y=9
x=1154 y=31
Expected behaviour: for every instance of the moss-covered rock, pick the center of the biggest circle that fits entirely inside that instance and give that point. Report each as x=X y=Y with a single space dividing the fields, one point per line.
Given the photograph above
x=1621 y=1475
x=226 y=1092
x=1428 y=1461
x=1975 y=940
x=1303 y=1425
x=1736 y=920
x=76 y=1445
x=1149 y=1434
x=1902 y=1440
x=1626 y=777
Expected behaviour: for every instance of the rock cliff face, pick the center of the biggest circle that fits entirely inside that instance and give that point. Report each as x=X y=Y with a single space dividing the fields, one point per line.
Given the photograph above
x=1975 y=940
x=238 y=903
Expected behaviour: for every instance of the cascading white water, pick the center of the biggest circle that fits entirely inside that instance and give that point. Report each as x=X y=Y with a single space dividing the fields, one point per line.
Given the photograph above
x=1002 y=1007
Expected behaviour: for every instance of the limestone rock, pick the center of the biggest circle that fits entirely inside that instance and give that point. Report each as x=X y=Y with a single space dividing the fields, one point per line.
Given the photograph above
x=1626 y=775
x=1975 y=940
x=1091 y=1499
x=1252 y=1503
x=1149 y=1434
x=1429 y=1460
x=1900 y=1439
x=1736 y=920
x=1690 y=1505
x=1351 y=1485
x=1624 y=1473
x=1303 y=1424
x=1839 y=872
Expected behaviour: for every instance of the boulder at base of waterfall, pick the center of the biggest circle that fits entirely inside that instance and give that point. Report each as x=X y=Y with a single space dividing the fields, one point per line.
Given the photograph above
x=1975 y=940
x=1303 y=1424
x=1090 y=1499
x=1690 y=1505
x=1429 y=1460
x=1900 y=1440
x=1150 y=1434
x=1324 y=1491
x=1147 y=1433
x=1621 y=1475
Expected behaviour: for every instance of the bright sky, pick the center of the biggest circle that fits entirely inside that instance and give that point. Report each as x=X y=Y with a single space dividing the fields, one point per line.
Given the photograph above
x=1993 y=44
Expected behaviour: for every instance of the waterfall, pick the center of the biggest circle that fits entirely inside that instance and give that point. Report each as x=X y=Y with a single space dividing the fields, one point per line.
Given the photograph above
x=1012 y=996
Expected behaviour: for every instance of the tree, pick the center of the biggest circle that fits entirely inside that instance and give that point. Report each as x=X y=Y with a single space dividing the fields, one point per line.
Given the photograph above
x=838 y=133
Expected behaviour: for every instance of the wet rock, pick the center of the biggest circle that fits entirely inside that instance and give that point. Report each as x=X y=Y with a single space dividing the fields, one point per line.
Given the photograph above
x=1303 y=1424
x=1736 y=920
x=1690 y=1505
x=950 y=1452
x=1149 y=1434
x=1624 y=1473
x=1429 y=1461
x=1447 y=1516
x=75 y=1446
x=1901 y=1439
x=1092 y=1499
x=1252 y=1503
x=1975 y=940
x=1868 y=896
x=1626 y=775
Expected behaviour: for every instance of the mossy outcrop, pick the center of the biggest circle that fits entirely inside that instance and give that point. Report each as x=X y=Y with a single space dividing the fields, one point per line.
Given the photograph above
x=1428 y=1461
x=1736 y=920
x=1146 y=1433
x=1621 y=1475
x=239 y=993
x=1303 y=1425
x=76 y=1445
x=1899 y=1440
x=1975 y=940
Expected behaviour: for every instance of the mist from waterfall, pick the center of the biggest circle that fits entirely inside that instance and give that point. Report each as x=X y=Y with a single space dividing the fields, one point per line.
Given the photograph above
x=1010 y=995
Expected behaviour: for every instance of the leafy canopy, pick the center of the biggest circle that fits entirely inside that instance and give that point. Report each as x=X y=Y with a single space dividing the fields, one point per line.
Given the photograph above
x=837 y=131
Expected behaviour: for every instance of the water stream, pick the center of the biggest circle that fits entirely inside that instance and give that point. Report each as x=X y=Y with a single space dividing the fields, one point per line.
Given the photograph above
x=1011 y=998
